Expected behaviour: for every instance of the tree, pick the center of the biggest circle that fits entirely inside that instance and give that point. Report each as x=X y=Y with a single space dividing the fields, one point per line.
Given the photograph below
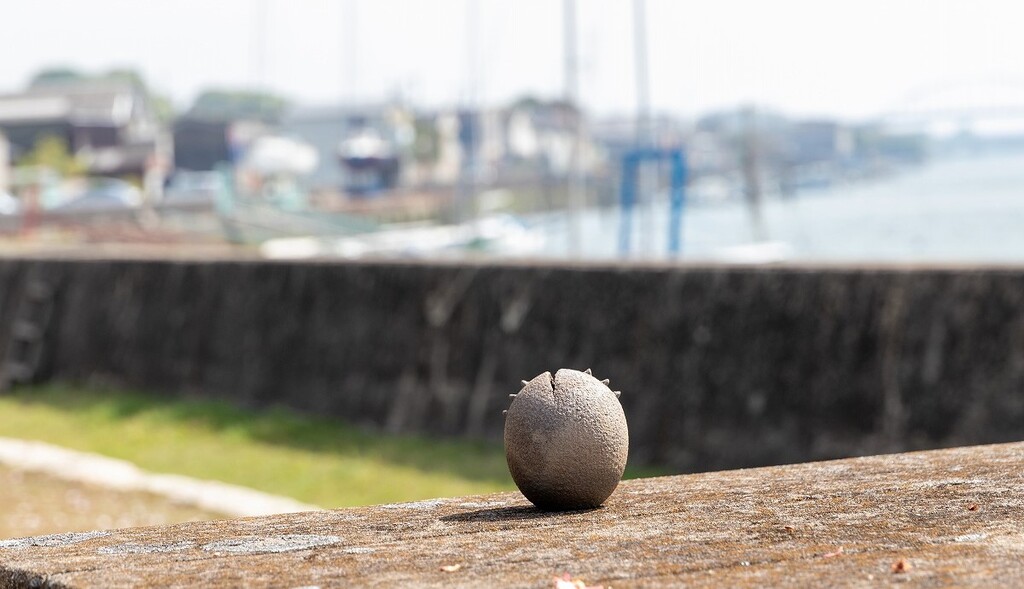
x=55 y=75
x=238 y=104
x=50 y=151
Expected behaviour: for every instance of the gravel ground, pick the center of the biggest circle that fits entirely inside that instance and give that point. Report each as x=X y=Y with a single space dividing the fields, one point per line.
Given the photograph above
x=32 y=504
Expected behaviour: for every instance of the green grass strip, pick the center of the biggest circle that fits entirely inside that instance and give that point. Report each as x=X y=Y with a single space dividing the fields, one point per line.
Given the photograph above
x=316 y=460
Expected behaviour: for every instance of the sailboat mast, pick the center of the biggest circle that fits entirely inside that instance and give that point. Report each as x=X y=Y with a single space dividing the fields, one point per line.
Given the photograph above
x=643 y=89
x=576 y=180
x=471 y=116
x=646 y=176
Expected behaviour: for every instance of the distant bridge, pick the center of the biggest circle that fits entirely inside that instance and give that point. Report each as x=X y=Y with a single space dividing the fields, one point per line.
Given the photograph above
x=961 y=104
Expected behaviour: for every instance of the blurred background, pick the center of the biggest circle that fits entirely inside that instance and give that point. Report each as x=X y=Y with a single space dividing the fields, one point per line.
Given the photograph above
x=730 y=131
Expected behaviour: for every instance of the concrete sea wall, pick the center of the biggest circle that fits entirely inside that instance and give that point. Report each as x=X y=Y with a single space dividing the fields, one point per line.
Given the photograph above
x=719 y=366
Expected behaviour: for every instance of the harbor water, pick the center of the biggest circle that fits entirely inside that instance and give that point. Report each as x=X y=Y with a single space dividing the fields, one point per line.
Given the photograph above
x=969 y=210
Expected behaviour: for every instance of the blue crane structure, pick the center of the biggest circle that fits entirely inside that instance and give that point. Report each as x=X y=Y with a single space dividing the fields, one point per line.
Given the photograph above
x=631 y=162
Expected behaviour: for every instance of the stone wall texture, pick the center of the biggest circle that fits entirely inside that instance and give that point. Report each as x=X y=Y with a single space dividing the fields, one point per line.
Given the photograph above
x=719 y=366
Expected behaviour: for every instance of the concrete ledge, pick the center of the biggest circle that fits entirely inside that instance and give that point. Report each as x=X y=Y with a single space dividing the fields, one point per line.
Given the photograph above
x=939 y=518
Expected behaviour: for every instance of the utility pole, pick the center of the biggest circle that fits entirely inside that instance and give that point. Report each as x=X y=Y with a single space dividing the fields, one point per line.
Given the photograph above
x=259 y=42
x=352 y=50
x=5 y=160
x=576 y=178
x=643 y=89
x=750 y=165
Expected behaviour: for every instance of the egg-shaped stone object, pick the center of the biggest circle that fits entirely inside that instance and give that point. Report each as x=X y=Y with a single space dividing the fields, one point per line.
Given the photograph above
x=566 y=440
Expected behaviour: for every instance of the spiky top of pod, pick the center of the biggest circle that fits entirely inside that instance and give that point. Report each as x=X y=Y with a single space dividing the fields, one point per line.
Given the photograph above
x=566 y=440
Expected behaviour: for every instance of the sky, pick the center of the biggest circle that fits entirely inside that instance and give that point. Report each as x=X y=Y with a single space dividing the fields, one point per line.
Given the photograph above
x=841 y=58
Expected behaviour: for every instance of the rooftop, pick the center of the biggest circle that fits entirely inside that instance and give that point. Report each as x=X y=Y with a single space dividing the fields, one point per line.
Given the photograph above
x=83 y=102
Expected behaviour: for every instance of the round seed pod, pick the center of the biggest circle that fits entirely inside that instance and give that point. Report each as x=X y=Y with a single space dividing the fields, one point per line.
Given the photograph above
x=566 y=440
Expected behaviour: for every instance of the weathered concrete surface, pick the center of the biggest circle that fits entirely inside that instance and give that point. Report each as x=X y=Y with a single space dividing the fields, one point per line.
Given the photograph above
x=939 y=518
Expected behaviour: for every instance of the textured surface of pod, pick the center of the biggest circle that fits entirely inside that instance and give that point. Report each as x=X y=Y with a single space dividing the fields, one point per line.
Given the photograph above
x=566 y=440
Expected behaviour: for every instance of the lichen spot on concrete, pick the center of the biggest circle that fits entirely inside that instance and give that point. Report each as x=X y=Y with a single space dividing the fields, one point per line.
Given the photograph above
x=481 y=504
x=359 y=550
x=258 y=544
x=146 y=548
x=52 y=540
x=428 y=504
